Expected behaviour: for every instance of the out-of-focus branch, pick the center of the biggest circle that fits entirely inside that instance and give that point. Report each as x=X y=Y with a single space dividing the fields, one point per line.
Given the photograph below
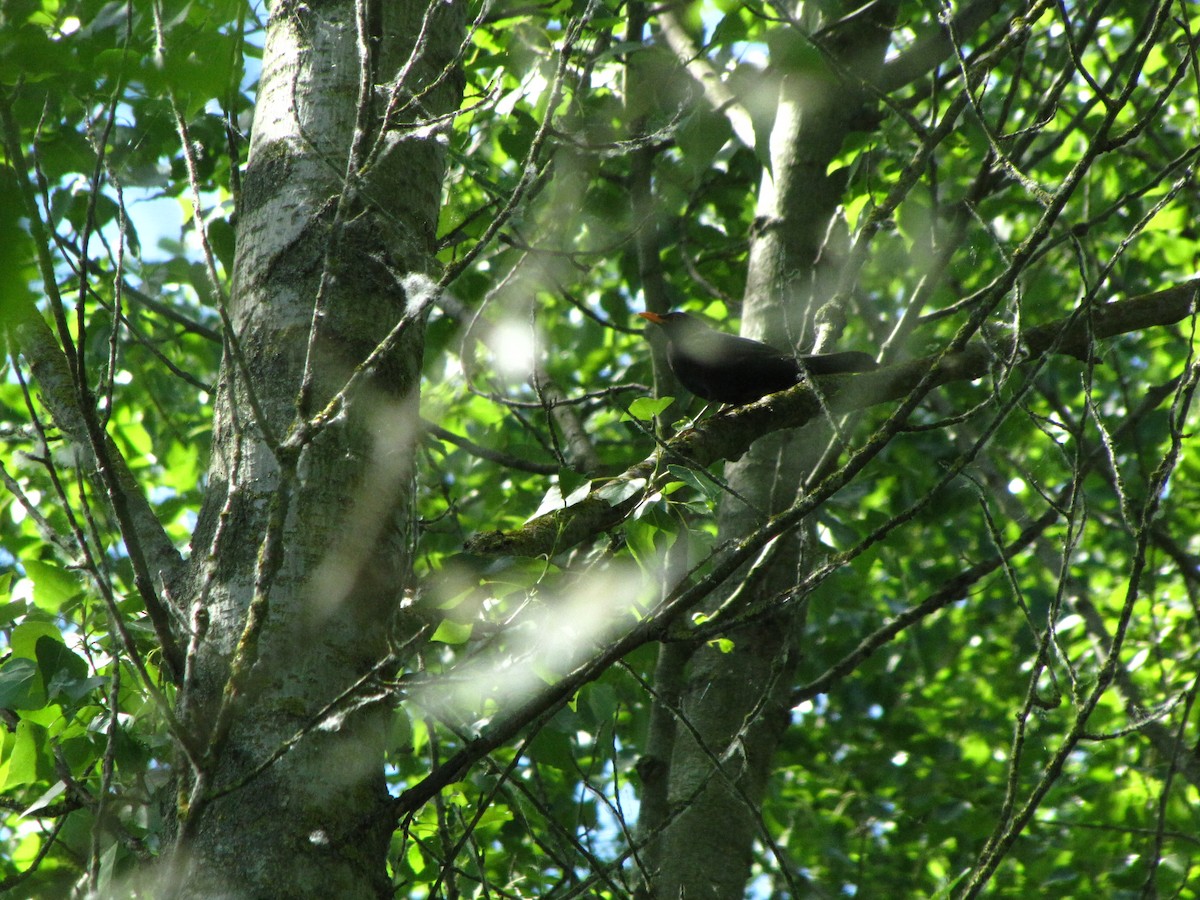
x=56 y=388
x=934 y=47
x=503 y=459
x=716 y=92
x=62 y=382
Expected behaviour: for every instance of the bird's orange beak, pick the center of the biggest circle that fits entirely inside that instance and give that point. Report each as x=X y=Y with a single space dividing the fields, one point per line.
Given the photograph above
x=652 y=317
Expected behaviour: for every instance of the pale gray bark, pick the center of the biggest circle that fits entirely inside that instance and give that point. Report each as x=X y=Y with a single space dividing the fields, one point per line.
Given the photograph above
x=307 y=529
x=736 y=703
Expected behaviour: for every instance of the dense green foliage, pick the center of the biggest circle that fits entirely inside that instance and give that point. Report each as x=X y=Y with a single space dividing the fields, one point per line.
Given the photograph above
x=901 y=769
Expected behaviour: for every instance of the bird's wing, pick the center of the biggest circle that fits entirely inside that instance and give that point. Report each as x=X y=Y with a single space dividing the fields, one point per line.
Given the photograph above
x=718 y=347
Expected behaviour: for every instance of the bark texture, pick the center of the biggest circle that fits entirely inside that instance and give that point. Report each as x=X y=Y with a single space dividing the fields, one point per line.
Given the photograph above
x=301 y=555
x=736 y=703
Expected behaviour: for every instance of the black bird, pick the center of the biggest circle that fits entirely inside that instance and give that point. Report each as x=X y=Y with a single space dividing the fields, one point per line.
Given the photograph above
x=730 y=369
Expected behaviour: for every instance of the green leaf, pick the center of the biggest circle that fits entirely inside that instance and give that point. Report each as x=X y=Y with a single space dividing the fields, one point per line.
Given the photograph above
x=555 y=499
x=400 y=734
x=571 y=482
x=221 y=237
x=107 y=863
x=449 y=632
x=10 y=612
x=553 y=747
x=602 y=701
x=21 y=685
x=23 y=763
x=53 y=586
x=51 y=794
x=619 y=491
x=63 y=672
x=701 y=137
x=701 y=485
x=646 y=408
x=26 y=636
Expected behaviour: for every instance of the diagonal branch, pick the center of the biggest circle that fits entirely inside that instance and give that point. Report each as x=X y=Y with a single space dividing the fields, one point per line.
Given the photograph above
x=718 y=94
x=729 y=436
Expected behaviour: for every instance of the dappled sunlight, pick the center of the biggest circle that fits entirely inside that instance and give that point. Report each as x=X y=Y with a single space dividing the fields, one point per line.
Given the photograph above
x=512 y=346
x=394 y=427
x=355 y=531
x=551 y=631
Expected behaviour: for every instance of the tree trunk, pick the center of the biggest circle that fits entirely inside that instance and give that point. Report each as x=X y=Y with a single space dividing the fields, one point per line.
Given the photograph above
x=301 y=554
x=736 y=703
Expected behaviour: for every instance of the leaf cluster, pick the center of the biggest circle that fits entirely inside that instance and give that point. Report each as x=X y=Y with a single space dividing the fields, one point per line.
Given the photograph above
x=1032 y=531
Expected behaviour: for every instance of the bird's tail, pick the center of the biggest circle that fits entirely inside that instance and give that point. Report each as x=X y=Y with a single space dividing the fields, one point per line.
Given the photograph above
x=839 y=363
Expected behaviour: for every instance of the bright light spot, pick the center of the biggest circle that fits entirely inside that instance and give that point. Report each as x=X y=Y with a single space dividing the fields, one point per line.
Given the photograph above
x=1017 y=486
x=123 y=376
x=332 y=723
x=818 y=706
x=18 y=509
x=551 y=635
x=157 y=220
x=318 y=838
x=752 y=53
x=900 y=758
x=512 y=346
x=70 y=25
x=875 y=711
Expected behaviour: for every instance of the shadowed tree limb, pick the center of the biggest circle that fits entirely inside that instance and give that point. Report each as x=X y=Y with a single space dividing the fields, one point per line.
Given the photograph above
x=729 y=436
